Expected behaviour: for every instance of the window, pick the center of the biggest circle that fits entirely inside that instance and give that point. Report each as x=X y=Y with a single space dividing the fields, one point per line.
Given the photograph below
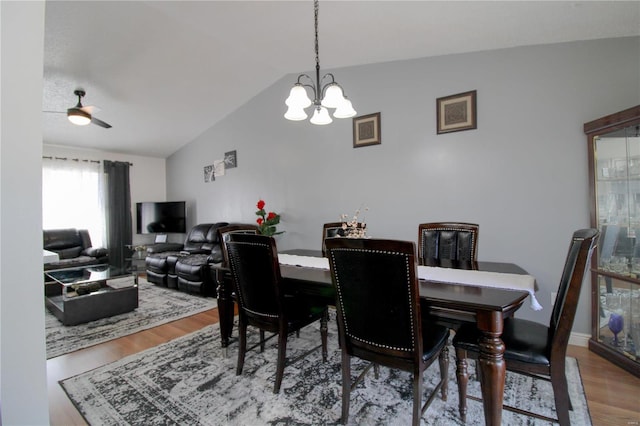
x=71 y=197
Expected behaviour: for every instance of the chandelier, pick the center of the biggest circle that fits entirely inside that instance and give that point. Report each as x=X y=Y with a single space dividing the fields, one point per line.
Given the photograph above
x=328 y=96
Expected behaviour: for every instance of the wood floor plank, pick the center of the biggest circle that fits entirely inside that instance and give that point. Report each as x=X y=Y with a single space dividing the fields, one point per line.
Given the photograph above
x=612 y=393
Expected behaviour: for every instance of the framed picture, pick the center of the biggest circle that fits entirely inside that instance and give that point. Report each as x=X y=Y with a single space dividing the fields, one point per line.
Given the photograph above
x=366 y=130
x=457 y=112
x=230 y=159
x=209 y=175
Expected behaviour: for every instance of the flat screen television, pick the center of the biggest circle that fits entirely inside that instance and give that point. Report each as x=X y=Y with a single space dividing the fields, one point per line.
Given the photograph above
x=161 y=217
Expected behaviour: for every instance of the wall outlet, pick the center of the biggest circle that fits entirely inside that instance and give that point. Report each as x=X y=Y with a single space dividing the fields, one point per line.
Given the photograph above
x=553 y=298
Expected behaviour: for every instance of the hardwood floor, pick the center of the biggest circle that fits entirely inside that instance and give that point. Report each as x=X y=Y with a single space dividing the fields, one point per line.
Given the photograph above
x=613 y=394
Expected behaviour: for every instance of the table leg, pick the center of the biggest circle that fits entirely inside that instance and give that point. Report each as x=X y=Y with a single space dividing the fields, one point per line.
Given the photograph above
x=492 y=366
x=225 y=309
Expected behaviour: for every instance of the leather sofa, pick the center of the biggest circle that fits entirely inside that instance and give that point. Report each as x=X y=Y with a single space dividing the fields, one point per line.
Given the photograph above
x=186 y=267
x=73 y=247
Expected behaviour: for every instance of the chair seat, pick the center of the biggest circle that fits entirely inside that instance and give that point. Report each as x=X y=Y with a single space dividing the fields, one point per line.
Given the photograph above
x=301 y=312
x=434 y=337
x=525 y=341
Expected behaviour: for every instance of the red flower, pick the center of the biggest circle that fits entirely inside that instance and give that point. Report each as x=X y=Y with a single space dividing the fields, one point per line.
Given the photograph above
x=271 y=216
x=260 y=204
x=259 y=221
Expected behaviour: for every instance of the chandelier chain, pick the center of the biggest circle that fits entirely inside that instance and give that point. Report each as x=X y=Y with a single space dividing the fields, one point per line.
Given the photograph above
x=315 y=13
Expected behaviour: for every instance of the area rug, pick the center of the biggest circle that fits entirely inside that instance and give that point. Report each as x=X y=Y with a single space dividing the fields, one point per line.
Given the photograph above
x=188 y=382
x=156 y=306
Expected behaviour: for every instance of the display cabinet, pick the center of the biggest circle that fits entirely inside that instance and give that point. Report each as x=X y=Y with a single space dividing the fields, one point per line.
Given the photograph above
x=614 y=174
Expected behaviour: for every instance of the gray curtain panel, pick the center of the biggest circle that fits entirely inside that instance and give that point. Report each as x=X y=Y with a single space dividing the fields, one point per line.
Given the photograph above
x=118 y=212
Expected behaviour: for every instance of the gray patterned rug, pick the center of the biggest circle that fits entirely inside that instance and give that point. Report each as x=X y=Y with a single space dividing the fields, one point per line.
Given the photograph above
x=156 y=306
x=187 y=382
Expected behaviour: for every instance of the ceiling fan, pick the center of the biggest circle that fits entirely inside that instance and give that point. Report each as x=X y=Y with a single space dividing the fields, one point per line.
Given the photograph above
x=82 y=115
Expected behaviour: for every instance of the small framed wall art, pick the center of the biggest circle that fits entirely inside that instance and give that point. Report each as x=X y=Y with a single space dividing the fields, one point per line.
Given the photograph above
x=230 y=159
x=457 y=112
x=366 y=130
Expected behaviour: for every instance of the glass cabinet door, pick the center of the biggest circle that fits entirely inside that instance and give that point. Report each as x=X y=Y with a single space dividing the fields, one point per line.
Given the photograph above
x=615 y=158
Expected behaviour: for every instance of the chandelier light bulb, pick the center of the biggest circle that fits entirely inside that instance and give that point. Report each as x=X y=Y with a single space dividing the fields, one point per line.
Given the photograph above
x=345 y=110
x=321 y=116
x=295 y=114
x=298 y=97
x=333 y=96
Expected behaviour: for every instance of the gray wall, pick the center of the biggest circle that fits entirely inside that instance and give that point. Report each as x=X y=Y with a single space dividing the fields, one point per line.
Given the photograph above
x=522 y=175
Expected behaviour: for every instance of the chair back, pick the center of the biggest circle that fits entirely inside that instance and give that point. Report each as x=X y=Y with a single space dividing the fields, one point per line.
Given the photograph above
x=333 y=229
x=237 y=228
x=377 y=299
x=576 y=264
x=255 y=271
x=456 y=241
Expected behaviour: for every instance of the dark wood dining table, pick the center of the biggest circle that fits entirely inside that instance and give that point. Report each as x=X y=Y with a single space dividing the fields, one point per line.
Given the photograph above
x=448 y=303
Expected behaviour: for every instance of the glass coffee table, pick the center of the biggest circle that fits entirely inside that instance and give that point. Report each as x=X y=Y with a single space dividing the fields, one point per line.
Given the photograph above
x=79 y=295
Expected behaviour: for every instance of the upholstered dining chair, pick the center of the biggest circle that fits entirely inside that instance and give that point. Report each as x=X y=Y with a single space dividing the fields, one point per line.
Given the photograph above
x=379 y=315
x=239 y=228
x=223 y=237
x=531 y=348
x=253 y=261
x=447 y=241
x=333 y=229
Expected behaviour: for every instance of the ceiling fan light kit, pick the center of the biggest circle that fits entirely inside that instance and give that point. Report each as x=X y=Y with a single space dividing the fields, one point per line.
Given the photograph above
x=78 y=117
x=81 y=115
x=330 y=95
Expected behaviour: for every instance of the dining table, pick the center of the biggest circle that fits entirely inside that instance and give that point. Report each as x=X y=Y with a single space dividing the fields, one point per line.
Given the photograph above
x=448 y=303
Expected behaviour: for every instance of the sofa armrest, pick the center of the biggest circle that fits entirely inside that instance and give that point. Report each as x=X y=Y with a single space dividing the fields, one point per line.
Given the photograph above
x=95 y=251
x=162 y=247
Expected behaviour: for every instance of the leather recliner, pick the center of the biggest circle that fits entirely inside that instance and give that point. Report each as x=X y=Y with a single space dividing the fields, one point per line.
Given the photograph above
x=202 y=240
x=194 y=271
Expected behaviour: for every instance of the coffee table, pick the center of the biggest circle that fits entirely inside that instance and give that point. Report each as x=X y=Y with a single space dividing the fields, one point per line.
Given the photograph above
x=79 y=295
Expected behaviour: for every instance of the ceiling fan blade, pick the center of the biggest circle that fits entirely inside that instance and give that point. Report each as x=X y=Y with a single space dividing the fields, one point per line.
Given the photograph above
x=90 y=109
x=100 y=123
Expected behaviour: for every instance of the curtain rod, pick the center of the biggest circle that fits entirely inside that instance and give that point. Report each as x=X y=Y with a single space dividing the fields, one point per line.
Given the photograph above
x=75 y=159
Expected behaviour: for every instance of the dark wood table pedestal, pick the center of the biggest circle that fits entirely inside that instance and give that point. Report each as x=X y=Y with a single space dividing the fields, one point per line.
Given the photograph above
x=492 y=366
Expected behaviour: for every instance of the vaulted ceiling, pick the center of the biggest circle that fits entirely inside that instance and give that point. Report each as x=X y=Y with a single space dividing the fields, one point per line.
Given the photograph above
x=162 y=72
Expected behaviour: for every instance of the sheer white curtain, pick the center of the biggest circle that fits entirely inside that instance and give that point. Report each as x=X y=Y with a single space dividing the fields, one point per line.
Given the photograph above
x=72 y=197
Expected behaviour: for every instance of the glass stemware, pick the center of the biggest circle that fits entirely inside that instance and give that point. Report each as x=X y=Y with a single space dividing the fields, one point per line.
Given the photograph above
x=616 y=324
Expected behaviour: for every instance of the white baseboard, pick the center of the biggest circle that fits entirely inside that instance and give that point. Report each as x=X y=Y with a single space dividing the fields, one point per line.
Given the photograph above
x=579 y=339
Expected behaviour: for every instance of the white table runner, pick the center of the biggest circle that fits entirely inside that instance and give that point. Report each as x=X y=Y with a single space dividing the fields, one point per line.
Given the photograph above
x=482 y=279
x=446 y=275
x=306 y=261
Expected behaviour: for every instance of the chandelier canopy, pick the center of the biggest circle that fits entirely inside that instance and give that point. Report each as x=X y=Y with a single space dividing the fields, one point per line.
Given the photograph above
x=330 y=95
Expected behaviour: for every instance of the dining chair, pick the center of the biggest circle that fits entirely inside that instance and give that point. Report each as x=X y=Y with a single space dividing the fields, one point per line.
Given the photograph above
x=379 y=315
x=223 y=237
x=333 y=229
x=531 y=348
x=225 y=231
x=447 y=241
x=255 y=271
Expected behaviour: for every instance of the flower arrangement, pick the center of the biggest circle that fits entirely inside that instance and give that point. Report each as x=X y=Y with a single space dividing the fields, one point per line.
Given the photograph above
x=352 y=228
x=140 y=251
x=267 y=221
